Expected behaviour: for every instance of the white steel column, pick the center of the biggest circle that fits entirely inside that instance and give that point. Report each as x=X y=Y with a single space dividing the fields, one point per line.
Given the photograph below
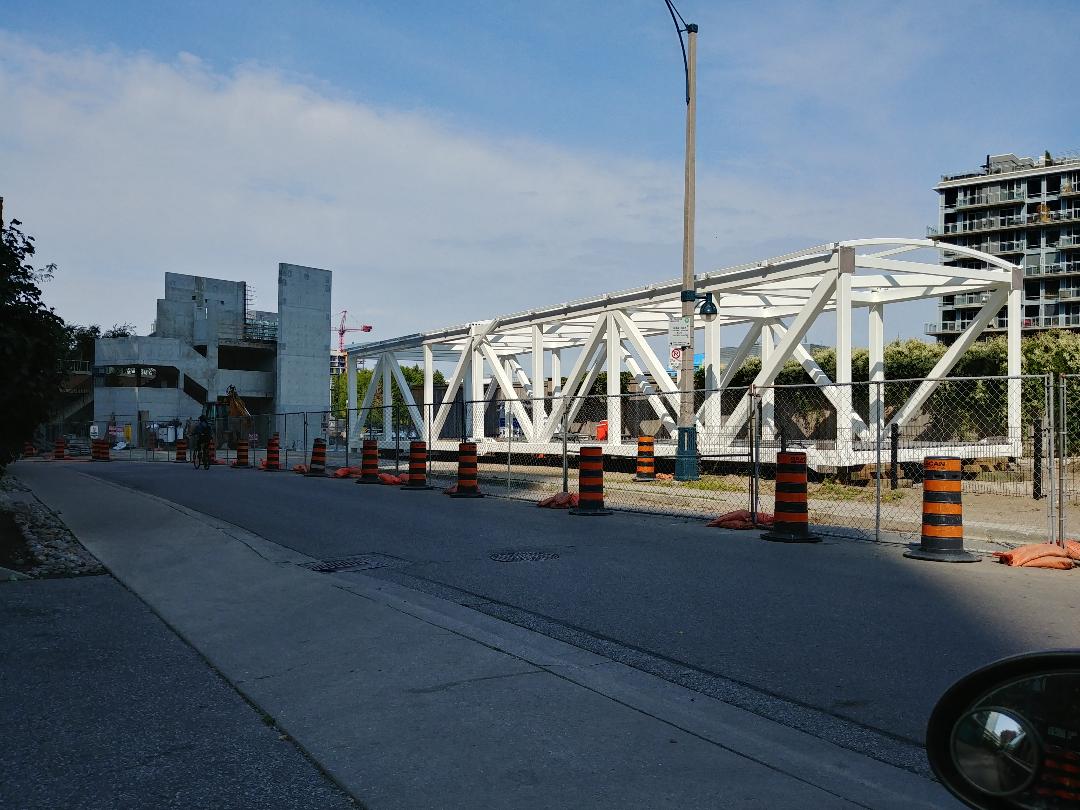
x=844 y=412
x=538 y=409
x=350 y=399
x=556 y=373
x=614 y=370
x=877 y=366
x=478 y=406
x=429 y=391
x=768 y=396
x=709 y=412
x=387 y=398
x=1015 y=322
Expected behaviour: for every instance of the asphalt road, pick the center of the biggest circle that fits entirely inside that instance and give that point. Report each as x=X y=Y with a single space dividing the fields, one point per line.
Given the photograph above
x=103 y=706
x=846 y=639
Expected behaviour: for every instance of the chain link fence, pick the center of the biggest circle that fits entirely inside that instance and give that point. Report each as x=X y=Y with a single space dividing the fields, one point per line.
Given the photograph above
x=1018 y=439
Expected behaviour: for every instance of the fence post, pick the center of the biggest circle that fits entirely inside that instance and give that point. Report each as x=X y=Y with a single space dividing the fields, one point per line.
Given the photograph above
x=894 y=456
x=304 y=444
x=565 y=458
x=1037 y=462
x=1061 y=456
x=397 y=439
x=752 y=437
x=783 y=438
x=879 y=429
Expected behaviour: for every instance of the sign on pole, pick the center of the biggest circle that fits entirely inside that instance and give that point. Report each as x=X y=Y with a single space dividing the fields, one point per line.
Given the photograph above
x=679 y=332
x=675 y=358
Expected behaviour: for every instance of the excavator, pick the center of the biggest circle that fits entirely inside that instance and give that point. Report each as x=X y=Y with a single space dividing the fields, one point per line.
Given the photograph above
x=230 y=419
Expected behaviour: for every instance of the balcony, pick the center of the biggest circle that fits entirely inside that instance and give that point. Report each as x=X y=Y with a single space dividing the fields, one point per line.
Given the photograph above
x=970 y=299
x=985 y=224
x=987 y=198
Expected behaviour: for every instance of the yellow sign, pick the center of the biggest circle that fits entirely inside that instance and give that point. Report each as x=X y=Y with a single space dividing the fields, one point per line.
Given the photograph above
x=127 y=433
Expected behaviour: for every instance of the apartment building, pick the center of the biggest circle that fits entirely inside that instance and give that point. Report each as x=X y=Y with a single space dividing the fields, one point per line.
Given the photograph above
x=1026 y=210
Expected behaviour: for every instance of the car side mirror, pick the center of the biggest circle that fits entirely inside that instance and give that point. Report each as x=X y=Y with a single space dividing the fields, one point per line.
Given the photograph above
x=1008 y=735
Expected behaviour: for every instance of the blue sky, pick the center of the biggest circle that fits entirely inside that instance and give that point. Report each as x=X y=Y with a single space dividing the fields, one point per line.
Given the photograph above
x=496 y=156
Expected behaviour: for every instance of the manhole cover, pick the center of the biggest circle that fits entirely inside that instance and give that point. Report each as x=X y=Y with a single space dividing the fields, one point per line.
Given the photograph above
x=361 y=562
x=524 y=556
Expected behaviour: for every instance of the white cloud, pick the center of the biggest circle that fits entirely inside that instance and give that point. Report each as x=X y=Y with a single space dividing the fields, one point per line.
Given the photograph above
x=126 y=167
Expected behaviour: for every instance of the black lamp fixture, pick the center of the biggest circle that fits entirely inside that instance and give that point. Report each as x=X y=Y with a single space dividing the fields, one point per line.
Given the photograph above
x=707 y=311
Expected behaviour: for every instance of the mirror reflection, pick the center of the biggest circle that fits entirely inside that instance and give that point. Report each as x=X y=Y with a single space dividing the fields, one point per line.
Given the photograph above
x=995 y=750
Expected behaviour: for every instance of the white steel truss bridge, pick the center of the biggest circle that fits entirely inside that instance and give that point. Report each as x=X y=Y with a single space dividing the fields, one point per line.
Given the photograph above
x=521 y=355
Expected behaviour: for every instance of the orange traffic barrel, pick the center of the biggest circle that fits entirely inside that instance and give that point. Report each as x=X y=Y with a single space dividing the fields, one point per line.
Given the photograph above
x=646 y=460
x=317 y=467
x=466 y=472
x=241 y=454
x=99 y=450
x=211 y=450
x=369 y=463
x=181 y=451
x=942 y=513
x=792 y=520
x=590 y=483
x=273 y=454
x=417 y=466
x=60 y=448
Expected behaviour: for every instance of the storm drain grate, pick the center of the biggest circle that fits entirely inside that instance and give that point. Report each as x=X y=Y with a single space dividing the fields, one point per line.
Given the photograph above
x=525 y=555
x=361 y=562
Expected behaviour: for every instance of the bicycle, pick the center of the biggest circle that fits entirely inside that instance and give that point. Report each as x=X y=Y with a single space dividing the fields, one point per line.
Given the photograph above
x=201 y=456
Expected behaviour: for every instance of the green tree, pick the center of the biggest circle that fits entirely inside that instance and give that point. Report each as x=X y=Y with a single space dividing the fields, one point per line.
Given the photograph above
x=33 y=342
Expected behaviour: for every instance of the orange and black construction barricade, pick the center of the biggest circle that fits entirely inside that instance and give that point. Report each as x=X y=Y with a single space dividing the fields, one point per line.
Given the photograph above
x=792 y=521
x=646 y=460
x=466 y=475
x=59 y=449
x=417 y=466
x=273 y=454
x=181 y=451
x=99 y=450
x=369 y=463
x=590 y=483
x=317 y=467
x=211 y=450
x=241 y=455
x=942 y=513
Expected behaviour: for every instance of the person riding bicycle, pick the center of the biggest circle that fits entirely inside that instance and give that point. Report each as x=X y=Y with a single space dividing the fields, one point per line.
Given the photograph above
x=200 y=434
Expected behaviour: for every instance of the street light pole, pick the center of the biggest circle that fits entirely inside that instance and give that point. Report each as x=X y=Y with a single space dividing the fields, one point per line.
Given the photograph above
x=686 y=458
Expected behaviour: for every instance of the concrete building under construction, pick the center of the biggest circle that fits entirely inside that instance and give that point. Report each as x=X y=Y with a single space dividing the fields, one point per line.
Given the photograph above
x=208 y=336
x=1027 y=211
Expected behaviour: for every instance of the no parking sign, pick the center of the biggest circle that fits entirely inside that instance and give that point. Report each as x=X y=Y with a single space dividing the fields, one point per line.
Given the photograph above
x=675 y=358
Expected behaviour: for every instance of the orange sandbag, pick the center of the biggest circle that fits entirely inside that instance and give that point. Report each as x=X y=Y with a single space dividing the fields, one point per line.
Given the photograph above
x=1072 y=548
x=262 y=464
x=1062 y=563
x=342 y=472
x=1027 y=555
x=450 y=490
x=299 y=468
x=741 y=519
x=562 y=500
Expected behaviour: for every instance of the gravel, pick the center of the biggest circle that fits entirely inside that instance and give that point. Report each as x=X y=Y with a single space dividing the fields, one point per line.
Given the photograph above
x=52 y=548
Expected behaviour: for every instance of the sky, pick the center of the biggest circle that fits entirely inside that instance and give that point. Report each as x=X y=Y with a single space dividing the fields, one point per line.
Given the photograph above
x=451 y=162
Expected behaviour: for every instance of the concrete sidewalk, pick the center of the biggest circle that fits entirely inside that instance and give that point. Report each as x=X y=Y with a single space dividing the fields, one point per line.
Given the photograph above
x=410 y=701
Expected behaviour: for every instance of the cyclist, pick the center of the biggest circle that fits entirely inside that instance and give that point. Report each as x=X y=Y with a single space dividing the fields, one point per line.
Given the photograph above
x=201 y=437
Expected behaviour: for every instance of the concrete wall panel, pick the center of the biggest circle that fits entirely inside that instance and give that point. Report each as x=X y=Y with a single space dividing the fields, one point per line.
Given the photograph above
x=303 y=360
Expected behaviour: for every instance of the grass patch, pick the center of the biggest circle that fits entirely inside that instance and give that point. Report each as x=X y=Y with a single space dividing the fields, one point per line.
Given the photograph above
x=710 y=483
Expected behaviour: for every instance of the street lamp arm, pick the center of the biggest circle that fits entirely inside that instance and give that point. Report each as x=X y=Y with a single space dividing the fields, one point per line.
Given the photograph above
x=680 y=26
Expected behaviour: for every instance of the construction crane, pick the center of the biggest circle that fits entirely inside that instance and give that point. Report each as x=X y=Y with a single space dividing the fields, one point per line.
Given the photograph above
x=342 y=329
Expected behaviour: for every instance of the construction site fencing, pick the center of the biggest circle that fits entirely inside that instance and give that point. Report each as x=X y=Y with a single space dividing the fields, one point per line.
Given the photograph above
x=1068 y=409
x=865 y=444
